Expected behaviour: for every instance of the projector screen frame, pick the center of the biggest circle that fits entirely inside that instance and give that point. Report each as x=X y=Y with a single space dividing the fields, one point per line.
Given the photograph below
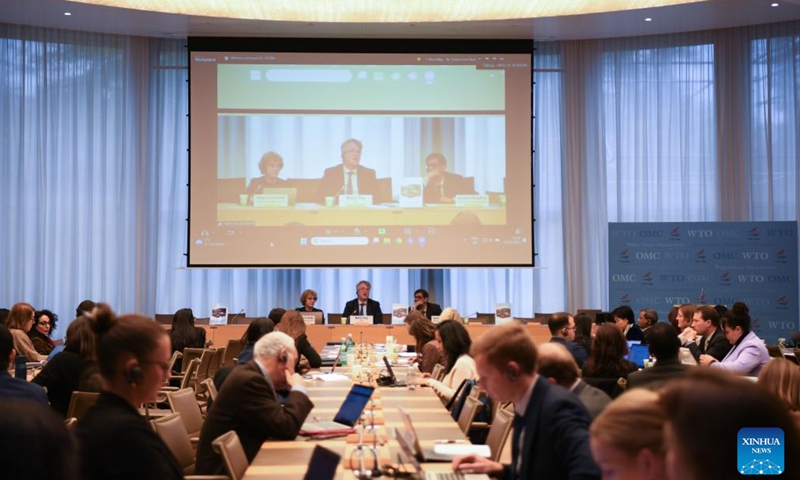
x=364 y=46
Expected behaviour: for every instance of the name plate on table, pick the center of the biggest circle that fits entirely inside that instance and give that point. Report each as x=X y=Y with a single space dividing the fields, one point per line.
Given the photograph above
x=355 y=200
x=471 y=201
x=361 y=320
x=309 y=319
x=435 y=318
x=271 y=200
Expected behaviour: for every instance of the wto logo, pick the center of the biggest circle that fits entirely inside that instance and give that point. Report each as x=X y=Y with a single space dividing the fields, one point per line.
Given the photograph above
x=702 y=299
x=624 y=256
x=625 y=298
x=647 y=278
x=760 y=451
x=675 y=233
x=725 y=279
x=700 y=255
x=782 y=301
x=753 y=234
x=781 y=256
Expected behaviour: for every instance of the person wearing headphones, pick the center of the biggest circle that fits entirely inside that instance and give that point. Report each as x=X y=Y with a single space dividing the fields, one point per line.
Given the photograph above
x=248 y=404
x=551 y=426
x=133 y=353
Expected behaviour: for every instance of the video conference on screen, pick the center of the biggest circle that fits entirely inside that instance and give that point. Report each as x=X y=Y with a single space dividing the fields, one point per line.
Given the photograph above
x=340 y=153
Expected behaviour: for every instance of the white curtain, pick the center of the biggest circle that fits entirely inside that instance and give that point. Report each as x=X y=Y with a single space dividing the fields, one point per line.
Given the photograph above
x=93 y=169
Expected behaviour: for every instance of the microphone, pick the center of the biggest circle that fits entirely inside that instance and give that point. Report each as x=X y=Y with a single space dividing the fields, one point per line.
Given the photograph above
x=230 y=320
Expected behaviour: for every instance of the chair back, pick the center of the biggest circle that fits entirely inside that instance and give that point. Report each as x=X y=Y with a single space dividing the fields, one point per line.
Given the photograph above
x=184 y=402
x=191 y=373
x=211 y=389
x=472 y=405
x=438 y=372
x=190 y=354
x=775 y=351
x=230 y=449
x=216 y=362
x=499 y=431
x=232 y=351
x=205 y=364
x=80 y=403
x=71 y=423
x=173 y=432
x=174 y=360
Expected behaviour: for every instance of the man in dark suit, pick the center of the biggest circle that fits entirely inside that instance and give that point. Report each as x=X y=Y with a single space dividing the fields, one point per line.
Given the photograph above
x=664 y=346
x=705 y=322
x=558 y=366
x=248 y=404
x=623 y=318
x=11 y=387
x=562 y=328
x=442 y=185
x=551 y=426
x=423 y=306
x=349 y=178
x=363 y=305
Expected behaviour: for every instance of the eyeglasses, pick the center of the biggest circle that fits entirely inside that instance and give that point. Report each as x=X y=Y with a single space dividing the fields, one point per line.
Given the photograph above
x=44 y=323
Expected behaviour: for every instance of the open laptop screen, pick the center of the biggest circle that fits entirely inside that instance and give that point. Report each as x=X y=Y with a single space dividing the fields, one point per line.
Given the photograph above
x=353 y=405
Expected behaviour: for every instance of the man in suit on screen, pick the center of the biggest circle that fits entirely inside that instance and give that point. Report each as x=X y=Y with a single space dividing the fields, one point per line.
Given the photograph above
x=442 y=185
x=350 y=177
x=423 y=306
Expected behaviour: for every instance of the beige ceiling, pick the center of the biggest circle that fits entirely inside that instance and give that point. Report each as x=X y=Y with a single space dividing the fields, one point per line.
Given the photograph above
x=557 y=24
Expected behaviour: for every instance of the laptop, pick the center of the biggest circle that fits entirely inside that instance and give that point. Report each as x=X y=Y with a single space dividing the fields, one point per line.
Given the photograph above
x=391 y=380
x=56 y=350
x=323 y=464
x=347 y=416
x=428 y=454
x=419 y=474
x=638 y=354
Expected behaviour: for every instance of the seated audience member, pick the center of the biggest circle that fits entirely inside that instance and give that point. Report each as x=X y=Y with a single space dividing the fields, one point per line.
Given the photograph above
x=293 y=325
x=551 y=426
x=184 y=334
x=683 y=322
x=748 y=354
x=606 y=363
x=3 y=315
x=75 y=368
x=86 y=308
x=623 y=318
x=796 y=339
x=363 y=305
x=441 y=186
x=35 y=443
x=349 y=177
x=450 y=313
x=562 y=329
x=705 y=323
x=257 y=329
x=647 y=318
x=627 y=439
x=308 y=299
x=19 y=323
x=249 y=405
x=453 y=342
x=276 y=314
x=672 y=317
x=782 y=378
x=44 y=322
x=424 y=333
x=557 y=365
x=422 y=305
x=116 y=441
x=664 y=347
x=10 y=387
x=705 y=411
x=583 y=330
x=270 y=167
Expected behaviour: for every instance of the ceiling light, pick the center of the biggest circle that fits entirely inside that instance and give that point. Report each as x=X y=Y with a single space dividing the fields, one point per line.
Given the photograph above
x=775 y=5
x=67 y=14
x=648 y=19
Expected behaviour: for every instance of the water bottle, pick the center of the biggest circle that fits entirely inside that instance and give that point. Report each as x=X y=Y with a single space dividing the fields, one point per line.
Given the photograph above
x=343 y=353
x=20 y=367
x=411 y=378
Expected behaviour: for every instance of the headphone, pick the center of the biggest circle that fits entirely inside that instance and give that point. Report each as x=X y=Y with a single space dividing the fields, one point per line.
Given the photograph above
x=134 y=374
x=512 y=373
x=284 y=358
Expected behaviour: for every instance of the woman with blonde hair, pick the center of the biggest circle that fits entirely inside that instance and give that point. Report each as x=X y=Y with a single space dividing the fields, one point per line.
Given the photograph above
x=627 y=438
x=292 y=324
x=19 y=323
x=450 y=313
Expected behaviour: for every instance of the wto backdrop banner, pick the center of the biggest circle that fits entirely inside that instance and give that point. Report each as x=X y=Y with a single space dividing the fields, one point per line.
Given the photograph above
x=659 y=265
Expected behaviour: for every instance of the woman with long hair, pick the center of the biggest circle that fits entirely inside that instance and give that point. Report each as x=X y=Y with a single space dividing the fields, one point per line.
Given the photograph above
x=184 y=334
x=782 y=378
x=453 y=342
x=583 y=330
x=257 y=329
x=424 y=333
x=293 y=325
x=19 y=323
x=116 y=441
x=606 y=363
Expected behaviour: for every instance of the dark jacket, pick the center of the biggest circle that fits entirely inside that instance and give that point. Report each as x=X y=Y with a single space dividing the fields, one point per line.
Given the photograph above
x=373 y=308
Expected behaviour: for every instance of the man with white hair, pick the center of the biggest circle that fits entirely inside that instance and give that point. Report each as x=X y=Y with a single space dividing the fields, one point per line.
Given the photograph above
x=247 y=403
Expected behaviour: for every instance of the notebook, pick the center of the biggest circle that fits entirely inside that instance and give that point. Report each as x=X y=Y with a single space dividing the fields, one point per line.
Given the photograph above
x=346 y=417
x=56 y=350
x=422 y=475
x=431 y=455
x=323 y=464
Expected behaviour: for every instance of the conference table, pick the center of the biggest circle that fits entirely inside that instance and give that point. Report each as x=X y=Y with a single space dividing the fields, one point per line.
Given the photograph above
x=378 y=215
x=287 y=460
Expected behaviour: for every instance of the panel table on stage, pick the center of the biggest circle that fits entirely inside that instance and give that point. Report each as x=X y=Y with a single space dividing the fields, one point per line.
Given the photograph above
x=288 y=460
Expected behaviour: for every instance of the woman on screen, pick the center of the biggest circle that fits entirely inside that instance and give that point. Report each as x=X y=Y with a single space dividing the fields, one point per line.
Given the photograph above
x=270 y=166
x=308 y=299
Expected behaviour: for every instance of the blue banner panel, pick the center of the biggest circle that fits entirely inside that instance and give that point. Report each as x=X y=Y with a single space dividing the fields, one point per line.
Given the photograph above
x=659 y=265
